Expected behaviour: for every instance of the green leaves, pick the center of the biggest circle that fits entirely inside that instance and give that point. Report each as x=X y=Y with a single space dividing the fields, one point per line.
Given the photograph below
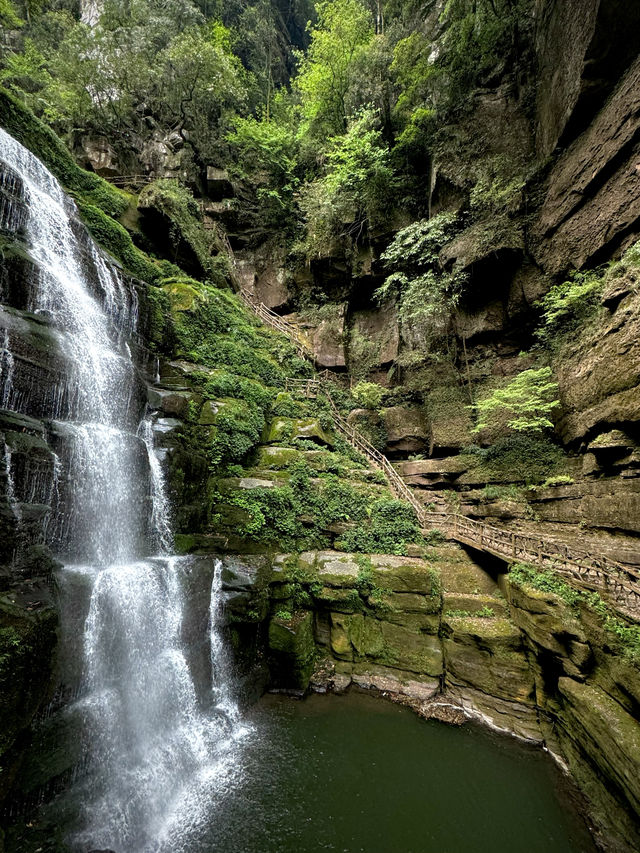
x=326 y=72
x=524 y=405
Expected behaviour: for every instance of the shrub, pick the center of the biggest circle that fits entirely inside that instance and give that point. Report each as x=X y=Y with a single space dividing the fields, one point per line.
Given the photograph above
x=526 y=458
x=569 y=304
x=368 y=395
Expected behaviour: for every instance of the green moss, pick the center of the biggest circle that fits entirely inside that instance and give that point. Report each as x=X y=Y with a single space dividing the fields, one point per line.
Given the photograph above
x=173 y=206
x=117 y=241
x=623 y=636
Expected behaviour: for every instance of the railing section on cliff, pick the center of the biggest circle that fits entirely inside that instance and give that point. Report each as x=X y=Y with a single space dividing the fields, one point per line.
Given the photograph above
x=597 y=573
x=270 y=318
x=620 y=583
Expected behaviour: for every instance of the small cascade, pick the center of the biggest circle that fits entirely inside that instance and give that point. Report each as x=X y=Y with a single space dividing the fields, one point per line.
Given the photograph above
x=11 y=489
x=157 y=739
x=7 y=368
x=160 y=507
x=221 y=676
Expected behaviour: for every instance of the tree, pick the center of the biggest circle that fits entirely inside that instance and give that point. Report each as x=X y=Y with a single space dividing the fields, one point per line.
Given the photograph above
x=352 y=196
x=524 y=405
x=326 y=73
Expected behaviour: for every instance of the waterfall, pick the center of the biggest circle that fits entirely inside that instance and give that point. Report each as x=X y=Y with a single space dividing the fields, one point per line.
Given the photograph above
x=158 y=746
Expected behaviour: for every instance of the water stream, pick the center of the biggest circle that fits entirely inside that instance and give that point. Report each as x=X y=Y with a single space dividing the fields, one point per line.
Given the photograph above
x=153 y=744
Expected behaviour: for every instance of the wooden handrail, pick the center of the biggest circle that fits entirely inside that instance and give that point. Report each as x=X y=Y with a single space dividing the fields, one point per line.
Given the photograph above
x=620 y=582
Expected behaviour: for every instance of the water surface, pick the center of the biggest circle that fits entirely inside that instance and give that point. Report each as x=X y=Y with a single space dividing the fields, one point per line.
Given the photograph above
x=354 y=773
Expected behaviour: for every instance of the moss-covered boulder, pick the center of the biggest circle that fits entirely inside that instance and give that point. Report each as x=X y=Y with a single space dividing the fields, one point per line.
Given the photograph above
x=488 y=655
x=289 y=429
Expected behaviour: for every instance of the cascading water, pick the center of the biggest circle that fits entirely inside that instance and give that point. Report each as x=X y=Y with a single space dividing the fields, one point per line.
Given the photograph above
x=157 y=745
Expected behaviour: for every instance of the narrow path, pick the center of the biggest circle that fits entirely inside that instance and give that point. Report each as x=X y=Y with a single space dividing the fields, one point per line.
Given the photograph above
x=621 y=584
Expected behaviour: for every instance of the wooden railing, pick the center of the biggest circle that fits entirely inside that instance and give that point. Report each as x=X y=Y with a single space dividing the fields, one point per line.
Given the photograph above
x=129 y=180
x=620 y=583
x=277 y=322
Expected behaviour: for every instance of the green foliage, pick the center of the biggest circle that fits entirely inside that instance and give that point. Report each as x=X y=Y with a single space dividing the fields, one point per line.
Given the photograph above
x=522 y=574
x=367 y=587
x=9 y=16
x=485 y=612
x=116 y=240
x=351 y=198
x=502 y=493
x=418 y=246
x=623 y=635
x=522 y=457
x=569 y=304
x=368 y=395
x=393 y=525
x=187 y=236
x=558 y=480
x=498 y=188
x=479 y=36
x=297 y=515
x=524 y=405
x=326 y=73
x=237 y=430
x=265 y=153
x=426 y=294
x=284 y=615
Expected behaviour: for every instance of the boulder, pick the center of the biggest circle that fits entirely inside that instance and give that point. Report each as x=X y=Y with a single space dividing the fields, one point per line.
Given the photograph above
x=100 y=156
x=287 y=429
x=219 y=184
x=408 y=430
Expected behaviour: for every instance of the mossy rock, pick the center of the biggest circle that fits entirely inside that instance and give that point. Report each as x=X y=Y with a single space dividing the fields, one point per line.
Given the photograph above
x=488 y=655
x=184 y=295
x=277 y=457
x=405 y=574
x=411 y=650
x=281 y=430
x=606 y=733
x=337 y=570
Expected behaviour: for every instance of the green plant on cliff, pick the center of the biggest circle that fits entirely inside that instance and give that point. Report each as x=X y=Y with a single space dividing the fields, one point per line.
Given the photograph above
x=9 y=16
x=351 y=197
x=424 y=291
x=368 y=395
x=623 y=635
x=524 y=405
x=568 y=305
x=392 y=525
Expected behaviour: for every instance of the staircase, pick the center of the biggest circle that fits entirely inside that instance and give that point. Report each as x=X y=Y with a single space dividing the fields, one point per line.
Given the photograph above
x=620 y=583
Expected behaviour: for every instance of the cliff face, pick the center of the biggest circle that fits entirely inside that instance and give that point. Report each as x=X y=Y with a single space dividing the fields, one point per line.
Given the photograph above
x=258 y=476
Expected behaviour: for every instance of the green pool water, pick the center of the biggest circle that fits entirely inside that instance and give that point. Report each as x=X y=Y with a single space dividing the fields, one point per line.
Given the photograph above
x=355 y=773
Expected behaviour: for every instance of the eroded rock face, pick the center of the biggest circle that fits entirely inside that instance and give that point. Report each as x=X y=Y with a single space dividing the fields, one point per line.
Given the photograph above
x=380 y=328
x=100 y=155
x=593 y=199
x=599 y=377
x=408 y=431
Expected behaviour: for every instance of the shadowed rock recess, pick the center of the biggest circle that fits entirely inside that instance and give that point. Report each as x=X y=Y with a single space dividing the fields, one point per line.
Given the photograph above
x=166 y=479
